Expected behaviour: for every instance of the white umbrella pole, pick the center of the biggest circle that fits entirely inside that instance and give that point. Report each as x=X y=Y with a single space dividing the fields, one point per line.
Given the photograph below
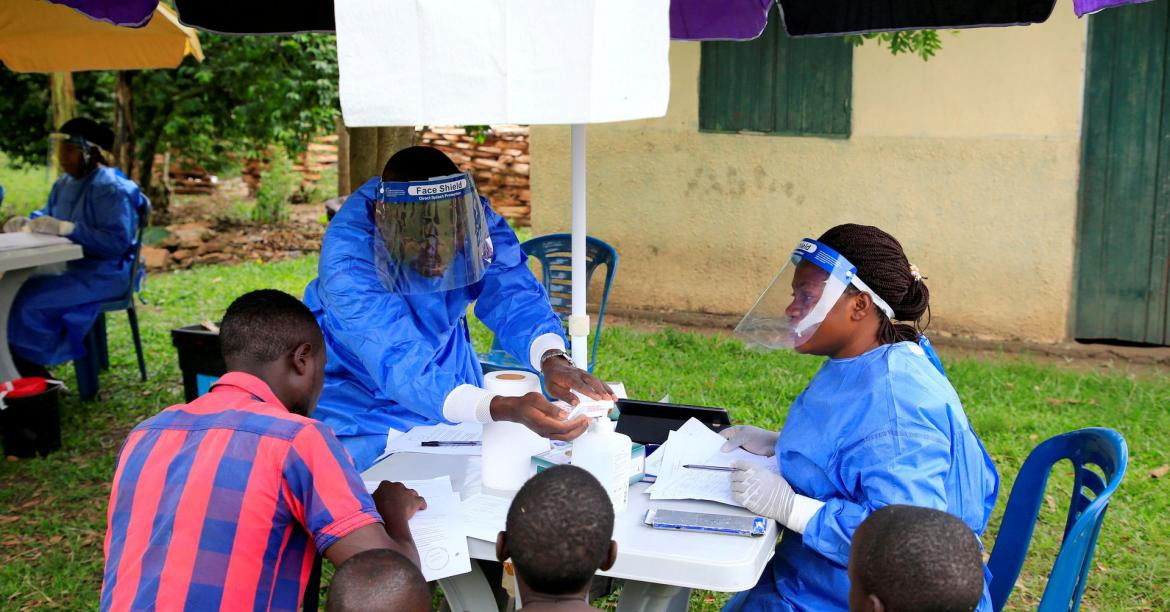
x=578 y=320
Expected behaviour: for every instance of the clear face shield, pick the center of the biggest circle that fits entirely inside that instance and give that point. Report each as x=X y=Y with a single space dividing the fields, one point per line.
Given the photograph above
x=808 y=286
x=432 y=235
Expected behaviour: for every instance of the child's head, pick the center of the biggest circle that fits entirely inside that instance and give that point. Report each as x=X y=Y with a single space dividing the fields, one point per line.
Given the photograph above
x=559 y=531
x=911 y=559
x=273 y=336
x=883 y=266
x=376 y=580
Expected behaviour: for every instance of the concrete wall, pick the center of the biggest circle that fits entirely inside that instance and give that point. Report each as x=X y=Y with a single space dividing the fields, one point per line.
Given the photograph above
x=970 y=159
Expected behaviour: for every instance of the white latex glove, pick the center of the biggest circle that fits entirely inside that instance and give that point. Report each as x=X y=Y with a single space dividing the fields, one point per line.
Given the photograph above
x=751 y=439
x=15 y=224
x=769 y=495
x=50 y=225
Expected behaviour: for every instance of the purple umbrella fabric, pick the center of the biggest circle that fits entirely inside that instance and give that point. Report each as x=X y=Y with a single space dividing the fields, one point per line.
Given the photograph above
x=127 y=13
x=718 y=19
x=1084 y=7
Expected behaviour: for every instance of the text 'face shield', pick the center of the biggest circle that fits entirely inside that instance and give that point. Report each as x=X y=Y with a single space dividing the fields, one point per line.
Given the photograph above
x=432 y=235
x=790 y=310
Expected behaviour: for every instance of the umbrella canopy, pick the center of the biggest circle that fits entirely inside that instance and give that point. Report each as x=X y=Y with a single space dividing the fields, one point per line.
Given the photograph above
x=38 y=36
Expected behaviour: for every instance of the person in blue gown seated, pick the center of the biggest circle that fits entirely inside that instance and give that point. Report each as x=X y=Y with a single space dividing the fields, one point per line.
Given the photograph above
x=879 y=424
x=97 y=207
x=402 y=261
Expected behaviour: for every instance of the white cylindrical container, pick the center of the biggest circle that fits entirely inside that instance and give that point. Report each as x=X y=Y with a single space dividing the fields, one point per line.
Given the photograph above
x=603 y=452
x=508 y=447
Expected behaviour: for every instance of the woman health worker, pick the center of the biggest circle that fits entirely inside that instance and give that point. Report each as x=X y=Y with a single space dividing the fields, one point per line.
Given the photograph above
x=400 y=264
x=879 y=423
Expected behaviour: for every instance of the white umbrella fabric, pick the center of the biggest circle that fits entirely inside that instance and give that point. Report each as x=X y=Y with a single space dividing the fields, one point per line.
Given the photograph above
x=449 y=62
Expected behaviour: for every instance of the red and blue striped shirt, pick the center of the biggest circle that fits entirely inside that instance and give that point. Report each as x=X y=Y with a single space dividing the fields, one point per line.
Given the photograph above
x=214 y=504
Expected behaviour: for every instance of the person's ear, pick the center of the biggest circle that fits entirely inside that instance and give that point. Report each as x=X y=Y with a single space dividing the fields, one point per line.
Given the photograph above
x=610 y=557
x=302 y=357
x=502 y=552
x=859 y=309
x=873 y=604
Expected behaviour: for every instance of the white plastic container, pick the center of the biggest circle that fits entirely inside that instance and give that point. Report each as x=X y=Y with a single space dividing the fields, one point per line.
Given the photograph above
x=603 y=452
x=508 y=447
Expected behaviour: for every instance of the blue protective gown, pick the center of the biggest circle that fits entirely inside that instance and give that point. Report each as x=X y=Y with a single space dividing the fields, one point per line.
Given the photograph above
x=882 y=428
x=52 y=314
x=392 y=357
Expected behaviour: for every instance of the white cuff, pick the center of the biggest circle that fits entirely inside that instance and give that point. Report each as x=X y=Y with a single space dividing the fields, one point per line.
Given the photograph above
x=803 y=509
x=543 y=344
x=468 y=404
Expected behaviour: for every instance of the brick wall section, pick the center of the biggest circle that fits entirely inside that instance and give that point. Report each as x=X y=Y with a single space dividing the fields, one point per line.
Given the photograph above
x=500 y=165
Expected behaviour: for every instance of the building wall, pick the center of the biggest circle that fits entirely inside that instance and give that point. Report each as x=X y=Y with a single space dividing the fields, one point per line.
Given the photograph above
x=971 y=160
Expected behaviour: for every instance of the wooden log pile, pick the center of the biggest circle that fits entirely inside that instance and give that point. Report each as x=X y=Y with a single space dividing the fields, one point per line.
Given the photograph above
x=500 y=165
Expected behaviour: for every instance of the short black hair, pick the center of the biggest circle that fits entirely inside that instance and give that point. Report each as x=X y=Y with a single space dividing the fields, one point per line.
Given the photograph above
x=263 y=325
x=94 y=132
x=559 y=529
x=918 y=560
x=418 y=164
x=375 y=580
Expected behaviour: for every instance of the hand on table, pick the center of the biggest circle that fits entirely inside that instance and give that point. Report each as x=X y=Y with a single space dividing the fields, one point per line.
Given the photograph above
x=561 y=377
x=762 y=491
x=50 y=225
x=15 y=224
x=397 y=503
x=751 y=439
x=538 y=414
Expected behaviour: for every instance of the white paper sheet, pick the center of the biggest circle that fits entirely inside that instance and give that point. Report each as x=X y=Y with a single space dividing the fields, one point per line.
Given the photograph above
x=438 y=530
x=484 y=516
x=695 y=443
x=453 y=62
x=411 y=441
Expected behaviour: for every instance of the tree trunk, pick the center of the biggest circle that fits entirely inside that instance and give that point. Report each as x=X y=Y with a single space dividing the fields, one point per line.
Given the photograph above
x=124 y=123
x=63 y=108
x=343 y=185
x=369 y=148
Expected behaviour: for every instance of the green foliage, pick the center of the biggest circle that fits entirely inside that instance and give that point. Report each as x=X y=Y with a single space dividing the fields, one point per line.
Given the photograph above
x=923 y=43
x=325 y=188
x=277 y=186
x=478 y=132
x=26 y=187
x=25 y=107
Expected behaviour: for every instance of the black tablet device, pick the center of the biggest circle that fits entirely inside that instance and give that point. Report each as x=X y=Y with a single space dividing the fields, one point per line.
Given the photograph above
x=650 y=422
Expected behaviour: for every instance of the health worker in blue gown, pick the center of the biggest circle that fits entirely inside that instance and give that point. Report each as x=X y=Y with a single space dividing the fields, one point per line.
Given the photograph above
x=879 y=423
x=401 y=262
x=97 y=207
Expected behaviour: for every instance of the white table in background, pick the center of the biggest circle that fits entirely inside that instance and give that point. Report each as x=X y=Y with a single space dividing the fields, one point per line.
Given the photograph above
x=20 y=255
x=659 y=567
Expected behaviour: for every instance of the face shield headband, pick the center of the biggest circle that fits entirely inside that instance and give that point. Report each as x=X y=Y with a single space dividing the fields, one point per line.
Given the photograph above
x=431 y=235
x=808 y=286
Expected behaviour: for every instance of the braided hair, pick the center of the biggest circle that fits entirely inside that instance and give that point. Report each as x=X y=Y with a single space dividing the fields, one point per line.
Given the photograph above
x=883 y=266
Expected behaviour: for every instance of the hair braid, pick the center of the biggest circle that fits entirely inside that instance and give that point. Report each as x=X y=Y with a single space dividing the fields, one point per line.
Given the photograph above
x=883 y=266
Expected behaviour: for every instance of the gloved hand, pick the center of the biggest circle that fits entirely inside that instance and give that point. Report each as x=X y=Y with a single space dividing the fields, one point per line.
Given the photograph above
x=769 y=495
x=15 y=224
x=751 y=439
x=50 y=225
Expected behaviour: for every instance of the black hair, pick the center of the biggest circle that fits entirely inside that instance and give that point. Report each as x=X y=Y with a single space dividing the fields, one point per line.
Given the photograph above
x=918 y=560
x=92 y=131
x=375 y=580
x=418 y=164
x=559 y=529
x=263 y=325
x=883 y=266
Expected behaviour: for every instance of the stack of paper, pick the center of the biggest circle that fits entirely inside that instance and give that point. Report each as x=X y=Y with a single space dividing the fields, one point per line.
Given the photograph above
x=437 y=531
x=484 y=516
x=468 y=435
x=695 y=443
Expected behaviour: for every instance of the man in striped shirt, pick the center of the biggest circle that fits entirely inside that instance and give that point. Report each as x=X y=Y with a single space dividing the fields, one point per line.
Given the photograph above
x=225 y=502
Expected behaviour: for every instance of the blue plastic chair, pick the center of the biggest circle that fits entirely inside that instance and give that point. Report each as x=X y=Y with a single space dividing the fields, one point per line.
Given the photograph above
x=1100 y=447
x=554 y=252
x=97 y=355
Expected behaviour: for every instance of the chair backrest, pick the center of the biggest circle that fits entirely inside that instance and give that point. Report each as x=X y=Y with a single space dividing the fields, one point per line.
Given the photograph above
x=1103 y=448
x=554 y=252
x=136 y=265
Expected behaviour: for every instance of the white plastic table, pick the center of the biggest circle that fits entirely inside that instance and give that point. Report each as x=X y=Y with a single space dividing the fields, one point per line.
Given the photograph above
x=660 y=567
x=20 y=254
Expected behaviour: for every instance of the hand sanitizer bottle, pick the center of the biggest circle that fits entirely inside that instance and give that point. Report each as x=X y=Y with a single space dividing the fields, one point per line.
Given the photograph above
x=603 y=452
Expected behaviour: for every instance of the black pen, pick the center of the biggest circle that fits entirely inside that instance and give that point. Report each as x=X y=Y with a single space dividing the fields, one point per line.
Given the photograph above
x=449 y=443
x=717 y=468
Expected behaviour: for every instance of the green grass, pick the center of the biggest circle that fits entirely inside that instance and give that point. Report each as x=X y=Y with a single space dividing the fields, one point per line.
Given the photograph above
x=25 y=188
x=52 y=510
